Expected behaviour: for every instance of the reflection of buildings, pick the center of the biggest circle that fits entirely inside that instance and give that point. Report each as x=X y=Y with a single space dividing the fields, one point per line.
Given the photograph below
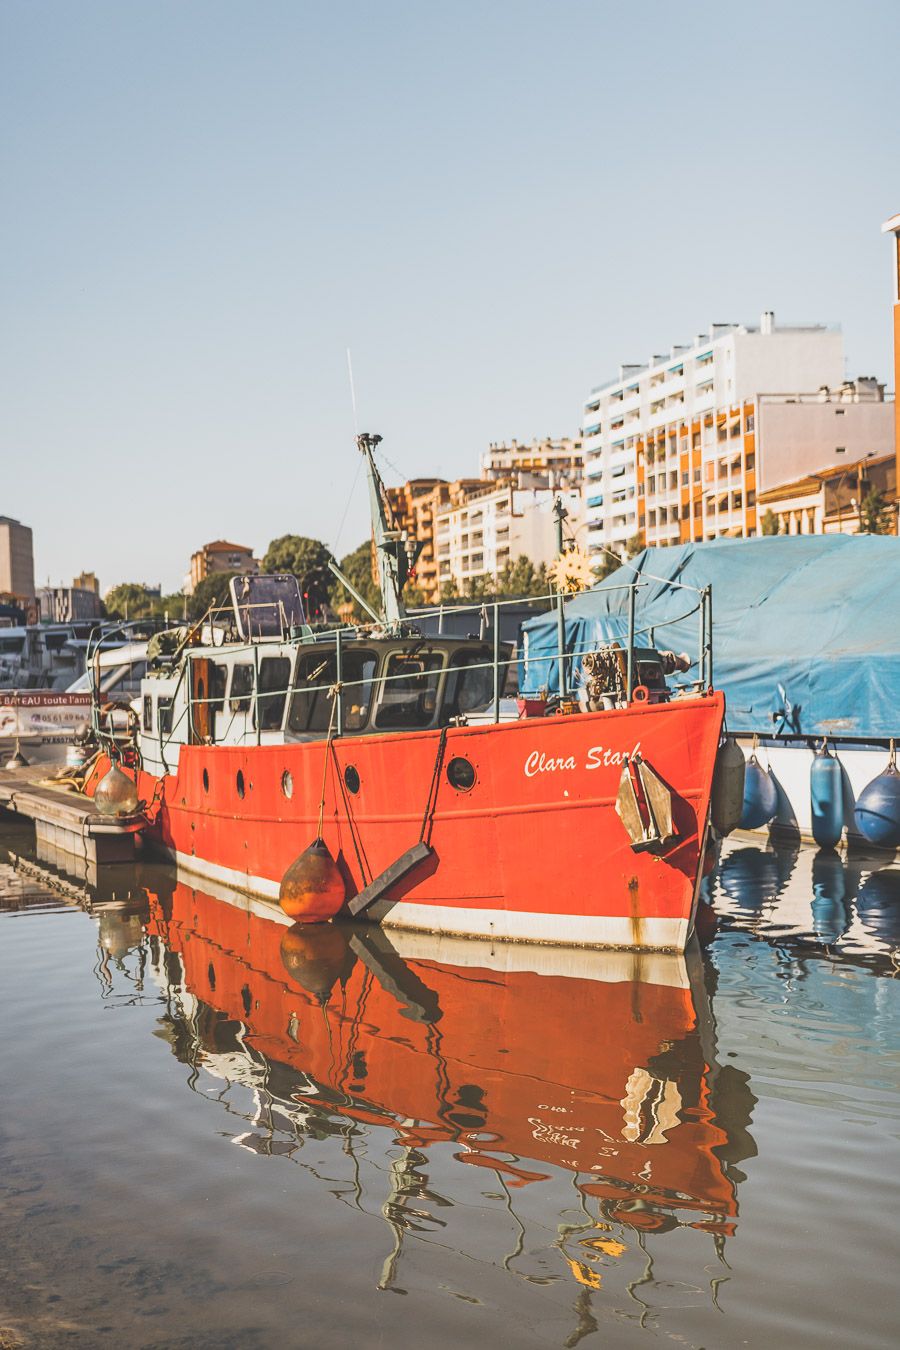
x=588 y=1074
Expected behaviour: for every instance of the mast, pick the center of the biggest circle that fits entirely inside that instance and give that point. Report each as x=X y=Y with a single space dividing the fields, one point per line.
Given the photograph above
x=393 y=556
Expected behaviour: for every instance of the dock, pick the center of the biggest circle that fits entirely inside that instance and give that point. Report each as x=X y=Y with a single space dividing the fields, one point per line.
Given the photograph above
x=67 y=823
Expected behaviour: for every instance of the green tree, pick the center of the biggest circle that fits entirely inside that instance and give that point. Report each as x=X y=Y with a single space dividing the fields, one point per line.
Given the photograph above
x=215 y=587
x=308 y=560
x=130 y=600
x=521 y=577
x=357 y=568
x=769 y=523
x=874 y=514
x=635 y=545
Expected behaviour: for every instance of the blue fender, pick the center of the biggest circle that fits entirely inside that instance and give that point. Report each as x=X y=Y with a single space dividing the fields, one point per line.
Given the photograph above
x=877 y=813
x=760 y=796
x=826 y=791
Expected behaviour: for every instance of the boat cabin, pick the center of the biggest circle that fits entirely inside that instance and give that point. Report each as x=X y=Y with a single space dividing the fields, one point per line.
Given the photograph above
x=262 y=676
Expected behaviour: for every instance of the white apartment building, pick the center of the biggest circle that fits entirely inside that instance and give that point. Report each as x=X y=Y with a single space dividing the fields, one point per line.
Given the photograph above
x=670 y=447
x=489 y=529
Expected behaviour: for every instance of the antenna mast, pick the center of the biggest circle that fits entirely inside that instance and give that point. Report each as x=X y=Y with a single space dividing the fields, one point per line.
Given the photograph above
x=390 y=543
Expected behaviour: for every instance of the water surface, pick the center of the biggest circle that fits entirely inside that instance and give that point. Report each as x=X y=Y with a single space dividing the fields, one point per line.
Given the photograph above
x=217 y=1131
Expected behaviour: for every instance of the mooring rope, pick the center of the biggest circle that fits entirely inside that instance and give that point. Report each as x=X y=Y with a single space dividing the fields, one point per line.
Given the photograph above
x=334 y=694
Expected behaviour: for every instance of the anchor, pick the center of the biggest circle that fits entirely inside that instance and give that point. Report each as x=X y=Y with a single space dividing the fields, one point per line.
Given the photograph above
x=644 y=806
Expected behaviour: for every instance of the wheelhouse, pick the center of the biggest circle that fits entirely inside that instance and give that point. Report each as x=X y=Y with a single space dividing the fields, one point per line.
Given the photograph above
x=270 y=679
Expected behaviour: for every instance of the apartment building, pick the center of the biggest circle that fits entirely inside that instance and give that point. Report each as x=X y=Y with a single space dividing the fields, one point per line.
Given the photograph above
x=16 y=560
x=678 y=448
x=217 y=557
x=832 y=500
x=415 y=506
x=892 y=227
x=547 y=463
x=498 y=524
x=487 y=521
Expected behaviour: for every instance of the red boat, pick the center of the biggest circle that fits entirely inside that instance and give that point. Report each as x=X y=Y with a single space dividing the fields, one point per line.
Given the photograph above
x=395 y=1031
x=428 y=807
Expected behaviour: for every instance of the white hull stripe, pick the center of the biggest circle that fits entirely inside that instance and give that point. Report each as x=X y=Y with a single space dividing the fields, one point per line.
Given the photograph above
x=497 y=925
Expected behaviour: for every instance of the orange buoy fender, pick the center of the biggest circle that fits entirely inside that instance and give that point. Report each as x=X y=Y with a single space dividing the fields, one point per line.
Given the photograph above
x=312 y=889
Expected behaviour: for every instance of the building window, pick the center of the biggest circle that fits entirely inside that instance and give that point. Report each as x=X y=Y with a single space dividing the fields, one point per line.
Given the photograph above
x=750 y=461
x=685 y=479
x=750 y=422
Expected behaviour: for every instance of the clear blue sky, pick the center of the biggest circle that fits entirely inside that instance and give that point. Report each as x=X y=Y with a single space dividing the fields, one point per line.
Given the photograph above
x=491 y=204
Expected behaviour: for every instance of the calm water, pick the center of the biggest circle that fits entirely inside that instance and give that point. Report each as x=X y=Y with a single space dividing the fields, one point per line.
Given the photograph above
x=214 y=1132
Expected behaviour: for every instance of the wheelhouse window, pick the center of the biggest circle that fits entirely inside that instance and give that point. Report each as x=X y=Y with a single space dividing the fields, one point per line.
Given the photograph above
x=409 y=690
x=148 y=712
x=164 y=716
x=241 y=687
x=274 y=679
x=316 y=673
x=470 y=683
x=218 y=681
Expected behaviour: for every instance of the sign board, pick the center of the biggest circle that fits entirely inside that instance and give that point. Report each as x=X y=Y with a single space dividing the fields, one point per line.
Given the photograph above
x=42 y=715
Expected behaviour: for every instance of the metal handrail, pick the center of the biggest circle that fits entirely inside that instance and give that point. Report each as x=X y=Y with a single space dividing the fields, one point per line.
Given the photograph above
x=496 y=664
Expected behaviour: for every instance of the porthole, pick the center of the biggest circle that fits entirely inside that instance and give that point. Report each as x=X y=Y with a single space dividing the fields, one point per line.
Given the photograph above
x=351 y=778
x=206 y=780
x=287 y=784
x=461 y=774
x=239 y=782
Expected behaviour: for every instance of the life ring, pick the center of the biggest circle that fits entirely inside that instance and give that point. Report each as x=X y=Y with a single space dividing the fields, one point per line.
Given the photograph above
x=640 y=694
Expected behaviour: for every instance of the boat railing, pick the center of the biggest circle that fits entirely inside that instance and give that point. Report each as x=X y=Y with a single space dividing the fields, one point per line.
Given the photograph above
x=339 y=640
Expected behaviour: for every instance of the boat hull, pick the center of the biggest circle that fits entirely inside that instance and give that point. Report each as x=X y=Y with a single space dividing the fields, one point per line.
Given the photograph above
x=534 y=850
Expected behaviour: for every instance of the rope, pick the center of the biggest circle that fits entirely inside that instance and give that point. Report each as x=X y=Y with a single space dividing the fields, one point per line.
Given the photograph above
x=431 y=803
x=334 y=694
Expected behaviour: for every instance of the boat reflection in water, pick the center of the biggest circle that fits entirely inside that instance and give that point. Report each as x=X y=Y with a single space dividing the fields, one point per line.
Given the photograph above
x=594 y=1070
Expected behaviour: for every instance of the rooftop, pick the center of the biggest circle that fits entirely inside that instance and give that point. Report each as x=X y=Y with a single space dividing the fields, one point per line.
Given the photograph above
x=681 y=351
x=223 y=546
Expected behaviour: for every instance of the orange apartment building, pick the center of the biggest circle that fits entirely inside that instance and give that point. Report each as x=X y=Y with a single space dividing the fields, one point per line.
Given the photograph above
x=892 y=226
x=415 y=506
x=550 y=463
x=219 y=556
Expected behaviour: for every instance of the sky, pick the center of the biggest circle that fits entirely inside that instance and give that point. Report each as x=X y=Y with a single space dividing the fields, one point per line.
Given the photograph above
x=492 y=205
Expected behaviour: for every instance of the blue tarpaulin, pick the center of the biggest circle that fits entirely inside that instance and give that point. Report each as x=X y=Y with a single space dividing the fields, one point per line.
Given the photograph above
x=806 y=629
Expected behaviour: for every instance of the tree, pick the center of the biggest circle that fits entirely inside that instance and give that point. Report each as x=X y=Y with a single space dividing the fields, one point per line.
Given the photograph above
x=357 y=568
x=215 y=587
x=635 y=545
x=521 y=577
x=769 y=523
x=874 y=514
x=308 y=560
x=130 y=600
